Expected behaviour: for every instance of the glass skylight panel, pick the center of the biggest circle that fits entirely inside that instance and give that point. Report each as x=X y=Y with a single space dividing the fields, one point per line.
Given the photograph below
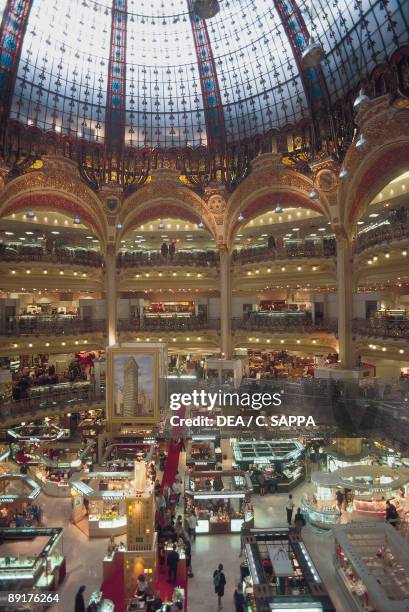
x=62 y=76
x=163 y=93
x=258 y=76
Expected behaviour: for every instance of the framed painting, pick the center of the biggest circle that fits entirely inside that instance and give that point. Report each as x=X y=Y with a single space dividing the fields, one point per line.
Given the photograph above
x=132 y=385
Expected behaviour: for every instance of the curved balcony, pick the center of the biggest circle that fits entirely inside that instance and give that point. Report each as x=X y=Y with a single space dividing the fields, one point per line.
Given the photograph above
x=38 y=405
x=285 y=323
x=203 y=259
x=394 y=231
x=308 y=249
x=172 y=323
x=49 y=325
x=382 y=328
x=64 y=255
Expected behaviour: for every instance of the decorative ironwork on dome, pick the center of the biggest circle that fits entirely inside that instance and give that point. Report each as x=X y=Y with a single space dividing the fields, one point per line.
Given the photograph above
x=139 y=79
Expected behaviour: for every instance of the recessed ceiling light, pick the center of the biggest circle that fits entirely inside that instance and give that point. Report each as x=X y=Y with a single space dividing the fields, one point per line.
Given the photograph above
x=29 y=233
x=9 y=233
x=321 y=229
x=374 y=215
x=361 y=222
x=55 y=233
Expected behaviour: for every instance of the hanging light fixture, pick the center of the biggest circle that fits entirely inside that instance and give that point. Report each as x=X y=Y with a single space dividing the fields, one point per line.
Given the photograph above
x=313 y=194
x=313 y=54
x=200 y=225
x=361 y=142
x=343 y=173
x=119 y=225
x=30 y=213
x=77 y=220
x=278 y=209
x=240 y=217
x=206 y=9
x=161 y=225
x=361 y=99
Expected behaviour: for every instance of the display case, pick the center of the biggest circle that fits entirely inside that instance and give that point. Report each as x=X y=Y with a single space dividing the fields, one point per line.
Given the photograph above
x=120 y=457
x=279 y=574
x=201 y=454
x=372 y=565
x=57 y=464
x=42 y=565
x=98 y=502
x=220 y=500
x=281 y=462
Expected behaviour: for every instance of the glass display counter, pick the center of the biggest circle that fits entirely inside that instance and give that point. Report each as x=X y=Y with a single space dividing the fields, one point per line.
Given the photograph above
x=280 y=461
x=371 y=563
x=56 y=465
x=201 y=455
x=220 y=500
x=278 y=573
x=42 y=565
x=121 y=457
x=98 y=502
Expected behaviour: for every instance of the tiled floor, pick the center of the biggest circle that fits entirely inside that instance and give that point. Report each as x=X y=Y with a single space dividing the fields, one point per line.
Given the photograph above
x=84 y=558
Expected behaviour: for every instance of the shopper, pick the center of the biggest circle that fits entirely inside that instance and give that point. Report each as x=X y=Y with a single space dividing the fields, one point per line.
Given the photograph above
x=164 y=250
x=219 y=582
x=391 y=514
x=239 y=599
x=79 y=600
x=192 y=524
x=299 y=521
x=172 y=249
x=290 y=509
x=340 y=499
x=188 y=556
x=262 y=483
x=173 y=561
x=177 y=490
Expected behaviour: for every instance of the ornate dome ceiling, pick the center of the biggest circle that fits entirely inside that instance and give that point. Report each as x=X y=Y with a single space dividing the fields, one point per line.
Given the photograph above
x=161 y=76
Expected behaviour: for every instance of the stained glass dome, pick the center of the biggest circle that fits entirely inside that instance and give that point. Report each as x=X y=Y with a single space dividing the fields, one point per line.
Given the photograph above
x=170 y=79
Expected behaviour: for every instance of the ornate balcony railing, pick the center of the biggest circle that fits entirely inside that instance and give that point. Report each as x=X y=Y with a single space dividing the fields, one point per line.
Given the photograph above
x=51 y=400
x=396 y=229
x=291 y=251
x=203 y=259
x=51 y=325
x=285 y=323
x=171 y=323
x=382 y=328
x=64 y=255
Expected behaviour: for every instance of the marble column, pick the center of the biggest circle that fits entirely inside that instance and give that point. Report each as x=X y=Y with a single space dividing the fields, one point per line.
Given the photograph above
x=225 y=303
x=110 y=293
x=345 y=300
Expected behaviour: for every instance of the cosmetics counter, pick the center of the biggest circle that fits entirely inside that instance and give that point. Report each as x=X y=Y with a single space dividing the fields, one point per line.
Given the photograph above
x=98 y=506
x=364 y=490
x=17 y=494
x=43 y=568
x=220 y=500
x=120 y=457
x=281 y=462
x=57 y=464
x=372 y=565
x=33 y=433
x=201 y=454
x=279 y=574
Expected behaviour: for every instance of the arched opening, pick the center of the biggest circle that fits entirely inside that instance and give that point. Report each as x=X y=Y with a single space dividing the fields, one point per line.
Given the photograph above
x=381 y=249
x=51 y=271
x=169 y=274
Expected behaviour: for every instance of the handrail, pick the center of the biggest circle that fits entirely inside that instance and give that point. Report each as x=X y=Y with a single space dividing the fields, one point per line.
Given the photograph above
x=394 y=230
x=203 y=259
x=49 y=325
x=382 y=328
x=288 y=324
x=172 y=323
x=290 y=251
x=64 y=255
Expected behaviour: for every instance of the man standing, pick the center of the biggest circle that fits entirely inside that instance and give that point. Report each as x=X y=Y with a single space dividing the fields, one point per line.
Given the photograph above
x=290 y=509
x=192 y=522
x=173 y=560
